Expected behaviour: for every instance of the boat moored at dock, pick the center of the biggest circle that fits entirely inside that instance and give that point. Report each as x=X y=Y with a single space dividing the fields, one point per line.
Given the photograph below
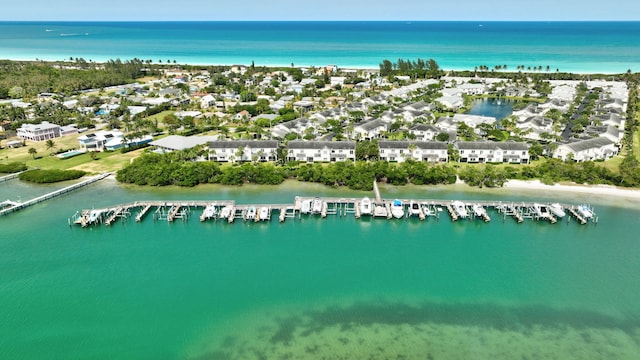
x=460 y=209
x=557 y=210
x=397 y=209
x=365 y=206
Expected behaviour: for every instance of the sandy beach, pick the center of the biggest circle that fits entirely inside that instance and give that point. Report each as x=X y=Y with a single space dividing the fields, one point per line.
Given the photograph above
x=601 y=191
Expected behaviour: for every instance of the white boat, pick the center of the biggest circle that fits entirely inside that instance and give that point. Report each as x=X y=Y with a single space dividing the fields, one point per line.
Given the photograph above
x=94 y=215
x=541 y=211
x=414 y=208
x=380 y=211
x=397 y=209
x=305 y=206
x=317 y=206
x=479 y=210
x=585 y=212
x=365 y=206
x=251 y=213
x=428 y=210
x=264 y=213
x=557 y=210
x=208 y=212
x=225 y=212
x=460 y=209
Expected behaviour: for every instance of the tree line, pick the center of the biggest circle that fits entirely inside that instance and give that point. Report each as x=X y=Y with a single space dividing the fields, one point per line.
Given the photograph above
x=27 y=79
x=419 y=68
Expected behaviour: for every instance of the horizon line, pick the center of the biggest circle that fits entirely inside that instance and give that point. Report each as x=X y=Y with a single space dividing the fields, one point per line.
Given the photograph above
x=321 y=20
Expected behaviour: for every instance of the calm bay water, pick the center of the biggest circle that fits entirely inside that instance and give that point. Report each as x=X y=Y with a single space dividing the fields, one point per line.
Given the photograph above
x=607 y=47
x=335 y=287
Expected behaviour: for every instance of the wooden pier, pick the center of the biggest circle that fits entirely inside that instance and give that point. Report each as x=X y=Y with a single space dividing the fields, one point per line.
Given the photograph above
x=53 y=194
x=170 y=211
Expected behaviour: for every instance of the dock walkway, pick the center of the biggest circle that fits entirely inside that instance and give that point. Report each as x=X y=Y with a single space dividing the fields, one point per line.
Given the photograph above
x=53 y=194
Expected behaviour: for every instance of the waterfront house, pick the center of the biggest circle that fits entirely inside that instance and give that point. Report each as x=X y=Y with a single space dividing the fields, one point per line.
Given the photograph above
x=493 y=152
x=599 y=148
x=399 y=151
x=243 y=150
x=97 y=141
x=321 y=151
x=39 y=132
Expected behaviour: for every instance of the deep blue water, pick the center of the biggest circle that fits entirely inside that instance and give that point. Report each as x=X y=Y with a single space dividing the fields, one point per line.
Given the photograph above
x=499 y=109
x=608 y=47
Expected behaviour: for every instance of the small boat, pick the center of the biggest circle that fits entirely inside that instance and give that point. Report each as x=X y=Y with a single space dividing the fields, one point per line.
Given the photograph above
x=305 y=207
x=460 y=209
x=251 y=213
x=365 y=206
x=428 y=210
x=208 y=212
x=585 y=212
x=380 y=211
x=557 y=210
x=541 y=211
x=397 y=209
x=479 y=210
x=317 y=206
x=414 y=208
x=94 y=215
x=264 y=213
x=225 y=212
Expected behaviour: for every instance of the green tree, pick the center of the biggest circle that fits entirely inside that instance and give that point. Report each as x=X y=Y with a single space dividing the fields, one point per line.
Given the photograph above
x=32 y=152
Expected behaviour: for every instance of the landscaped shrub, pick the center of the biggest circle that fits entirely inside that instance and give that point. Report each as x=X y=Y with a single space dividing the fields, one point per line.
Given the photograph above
x=50 y=176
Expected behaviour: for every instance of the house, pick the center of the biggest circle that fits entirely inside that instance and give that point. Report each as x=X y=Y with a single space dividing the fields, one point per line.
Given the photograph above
x=39 y=132
x=424 y=132
x=321 y=151
x=399 y=151
x=370 y=129
x=493 y=152
x=207 y=101
x=599 y=148
x=97 y=141
x=243 y=150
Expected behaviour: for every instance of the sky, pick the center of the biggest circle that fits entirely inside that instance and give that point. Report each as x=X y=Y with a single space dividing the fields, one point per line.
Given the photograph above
x=163 y=10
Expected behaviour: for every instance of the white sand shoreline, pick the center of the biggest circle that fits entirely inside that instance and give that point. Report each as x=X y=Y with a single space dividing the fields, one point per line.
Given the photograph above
x=603 y=190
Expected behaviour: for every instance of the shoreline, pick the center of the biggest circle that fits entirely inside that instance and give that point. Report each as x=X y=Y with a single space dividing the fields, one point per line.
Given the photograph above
x=357 y=67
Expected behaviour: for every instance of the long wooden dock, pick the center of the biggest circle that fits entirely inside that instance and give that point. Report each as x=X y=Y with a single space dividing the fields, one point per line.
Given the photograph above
x=53 y=194
x=172 y=210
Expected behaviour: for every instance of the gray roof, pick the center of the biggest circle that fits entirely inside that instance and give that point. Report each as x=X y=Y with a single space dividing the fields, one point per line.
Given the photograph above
x=490 y=145
x=179 y=142
x=424 y=127
x=301 y=144
x=371 y=124
x=436 y=145
x=234 y=144
x=594 y=143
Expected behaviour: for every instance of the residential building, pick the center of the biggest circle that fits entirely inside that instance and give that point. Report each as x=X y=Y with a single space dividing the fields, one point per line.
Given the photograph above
x=243 y=150
x=179 y=142
x=321 y=151
x=399 y=151
x=39 y=132
x=97 y=141
x=493 y=152
x=370 y=129
x=599 y=148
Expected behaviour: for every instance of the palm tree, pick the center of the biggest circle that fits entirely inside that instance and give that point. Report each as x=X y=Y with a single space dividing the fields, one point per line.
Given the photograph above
x=50 y=144
x=32 y=152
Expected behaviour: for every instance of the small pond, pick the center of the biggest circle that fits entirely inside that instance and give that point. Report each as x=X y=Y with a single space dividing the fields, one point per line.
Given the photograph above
x=498 y=108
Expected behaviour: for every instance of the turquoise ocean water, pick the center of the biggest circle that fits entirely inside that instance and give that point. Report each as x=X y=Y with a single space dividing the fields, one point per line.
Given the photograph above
x=607 y=47
x=316 y=288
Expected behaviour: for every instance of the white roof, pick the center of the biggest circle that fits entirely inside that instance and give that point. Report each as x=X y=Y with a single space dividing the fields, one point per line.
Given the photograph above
x=179 y=142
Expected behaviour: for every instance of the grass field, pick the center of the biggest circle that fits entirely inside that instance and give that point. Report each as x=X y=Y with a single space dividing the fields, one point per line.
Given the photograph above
x=104 y=162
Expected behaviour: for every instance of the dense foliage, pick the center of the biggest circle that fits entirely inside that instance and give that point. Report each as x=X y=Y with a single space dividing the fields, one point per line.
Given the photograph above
x=19 y=79
x=13 y=167
x=50 y=176
x=416 y=69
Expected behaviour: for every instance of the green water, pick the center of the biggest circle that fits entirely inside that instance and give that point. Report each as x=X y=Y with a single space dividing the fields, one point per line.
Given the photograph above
x=316 y=288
